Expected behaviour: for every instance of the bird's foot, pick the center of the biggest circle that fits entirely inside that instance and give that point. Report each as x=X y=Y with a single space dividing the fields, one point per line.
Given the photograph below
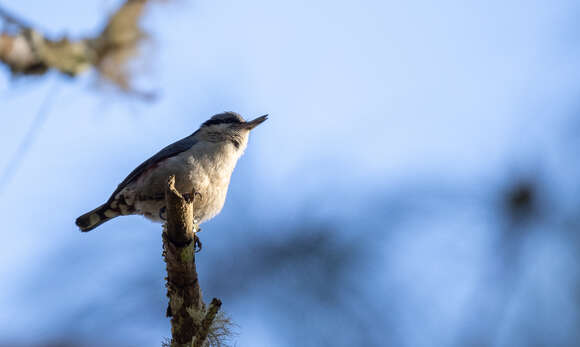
x=190 y=197
x=163 y=213
x=196 y=243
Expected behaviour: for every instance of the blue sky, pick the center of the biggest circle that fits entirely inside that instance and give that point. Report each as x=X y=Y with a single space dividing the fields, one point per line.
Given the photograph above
x=429 y=103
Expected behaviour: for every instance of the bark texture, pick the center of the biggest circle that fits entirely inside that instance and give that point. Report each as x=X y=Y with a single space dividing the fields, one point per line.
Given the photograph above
x=190 y=323
x=207 y=322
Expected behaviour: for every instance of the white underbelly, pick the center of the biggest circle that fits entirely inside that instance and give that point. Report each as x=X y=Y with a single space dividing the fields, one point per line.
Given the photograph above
x=202 y=179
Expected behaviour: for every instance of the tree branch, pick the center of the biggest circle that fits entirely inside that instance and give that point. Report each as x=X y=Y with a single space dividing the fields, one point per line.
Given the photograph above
x=185 y=299
x=207 y=322
x=189 y=318
x=27 y=51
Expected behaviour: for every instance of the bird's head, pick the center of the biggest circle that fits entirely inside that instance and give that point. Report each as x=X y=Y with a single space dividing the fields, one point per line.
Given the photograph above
x=229 y=126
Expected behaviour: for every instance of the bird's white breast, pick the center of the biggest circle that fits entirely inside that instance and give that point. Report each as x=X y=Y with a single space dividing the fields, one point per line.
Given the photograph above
x=205 y=170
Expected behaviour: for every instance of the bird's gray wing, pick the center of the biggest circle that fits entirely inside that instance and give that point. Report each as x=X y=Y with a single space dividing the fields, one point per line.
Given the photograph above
x=167 y=152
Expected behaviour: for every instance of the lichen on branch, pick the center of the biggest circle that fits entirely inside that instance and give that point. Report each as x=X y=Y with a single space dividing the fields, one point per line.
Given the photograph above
x=191 y=323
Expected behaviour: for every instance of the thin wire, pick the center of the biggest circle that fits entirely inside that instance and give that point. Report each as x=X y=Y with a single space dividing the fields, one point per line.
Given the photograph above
x=29 y=138
x=11 y=18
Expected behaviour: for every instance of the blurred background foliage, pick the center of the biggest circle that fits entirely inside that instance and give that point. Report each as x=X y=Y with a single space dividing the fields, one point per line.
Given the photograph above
x=415 y=185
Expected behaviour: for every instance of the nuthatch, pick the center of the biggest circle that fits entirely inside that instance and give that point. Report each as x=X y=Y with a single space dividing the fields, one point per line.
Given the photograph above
x=202 y=164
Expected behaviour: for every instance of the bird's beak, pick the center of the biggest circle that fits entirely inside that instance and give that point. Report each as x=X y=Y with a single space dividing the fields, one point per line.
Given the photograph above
x=254 y=123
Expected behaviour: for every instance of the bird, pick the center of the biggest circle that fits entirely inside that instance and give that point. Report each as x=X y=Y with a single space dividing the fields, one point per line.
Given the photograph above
x=202 y=164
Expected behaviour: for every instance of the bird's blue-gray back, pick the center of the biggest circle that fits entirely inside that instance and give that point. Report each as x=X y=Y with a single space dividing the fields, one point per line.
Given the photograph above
x=167 y=152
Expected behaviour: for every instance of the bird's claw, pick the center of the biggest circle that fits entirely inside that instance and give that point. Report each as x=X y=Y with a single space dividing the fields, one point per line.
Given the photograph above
x=196 y=243
x=190 y=197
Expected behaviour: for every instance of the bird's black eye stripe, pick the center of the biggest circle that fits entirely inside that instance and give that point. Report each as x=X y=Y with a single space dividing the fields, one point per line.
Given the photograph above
x=221 y=121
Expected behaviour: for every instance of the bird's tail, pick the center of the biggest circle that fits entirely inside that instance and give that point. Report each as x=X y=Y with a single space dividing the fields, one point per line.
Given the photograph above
x=96 y=217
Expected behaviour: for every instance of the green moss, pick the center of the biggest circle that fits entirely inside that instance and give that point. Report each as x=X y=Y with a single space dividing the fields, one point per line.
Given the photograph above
x=188 y=253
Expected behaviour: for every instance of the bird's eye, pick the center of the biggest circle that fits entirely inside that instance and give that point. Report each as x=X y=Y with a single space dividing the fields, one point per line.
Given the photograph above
x=221 y=121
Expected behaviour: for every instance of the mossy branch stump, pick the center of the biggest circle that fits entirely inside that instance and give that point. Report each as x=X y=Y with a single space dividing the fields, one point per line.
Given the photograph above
x=190 y=322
